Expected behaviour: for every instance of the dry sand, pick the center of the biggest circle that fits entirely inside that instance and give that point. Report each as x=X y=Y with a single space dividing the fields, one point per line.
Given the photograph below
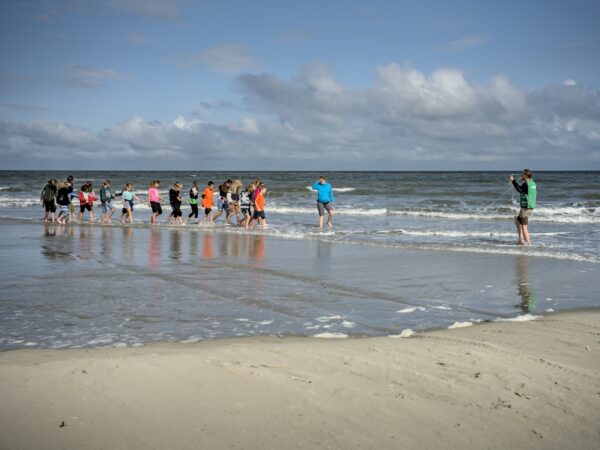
x=498 y=385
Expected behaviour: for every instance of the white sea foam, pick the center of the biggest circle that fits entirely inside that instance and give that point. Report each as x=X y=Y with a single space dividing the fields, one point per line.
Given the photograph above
x=410 y=309
x=404 y=334
x=265 y=322
x=580 y=215
x=336 y=189
x=460 y=325
x=521 y=318
x=344 y=211
x=325 y=319
x=329 y=335
x=445 y=308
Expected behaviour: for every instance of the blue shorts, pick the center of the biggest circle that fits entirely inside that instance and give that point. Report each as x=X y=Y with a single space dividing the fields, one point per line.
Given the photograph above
x=107 y=206
x=64 y=209
x=222 y=205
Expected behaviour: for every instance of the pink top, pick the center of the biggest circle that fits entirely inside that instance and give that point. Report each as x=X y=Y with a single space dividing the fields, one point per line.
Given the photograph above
x=153 y=194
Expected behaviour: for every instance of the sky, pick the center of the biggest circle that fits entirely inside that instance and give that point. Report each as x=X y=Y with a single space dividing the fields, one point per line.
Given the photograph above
x=310 y=85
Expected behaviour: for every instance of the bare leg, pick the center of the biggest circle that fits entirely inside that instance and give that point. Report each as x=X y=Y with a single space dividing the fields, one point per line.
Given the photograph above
x=519 y=232
x=525 y=233
x=329 y=223
x=321 y=222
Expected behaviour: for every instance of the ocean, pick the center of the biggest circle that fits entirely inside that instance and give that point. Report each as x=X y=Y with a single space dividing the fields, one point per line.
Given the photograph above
x=408 y=251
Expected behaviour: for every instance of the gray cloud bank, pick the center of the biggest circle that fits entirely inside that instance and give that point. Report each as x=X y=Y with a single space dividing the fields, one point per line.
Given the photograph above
x=405 y=120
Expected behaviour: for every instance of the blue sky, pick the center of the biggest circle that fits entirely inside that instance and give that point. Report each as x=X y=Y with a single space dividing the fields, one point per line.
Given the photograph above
x=299 y=85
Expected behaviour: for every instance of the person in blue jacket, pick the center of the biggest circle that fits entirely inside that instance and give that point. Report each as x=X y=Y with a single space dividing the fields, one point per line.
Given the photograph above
x=324 y=199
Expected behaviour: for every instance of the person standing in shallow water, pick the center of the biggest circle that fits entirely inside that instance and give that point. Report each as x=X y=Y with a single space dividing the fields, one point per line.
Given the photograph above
x=528 y=191
x=324 y=199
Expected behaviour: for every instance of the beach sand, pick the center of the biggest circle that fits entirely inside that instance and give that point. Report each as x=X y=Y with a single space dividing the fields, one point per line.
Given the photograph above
x=493 y=385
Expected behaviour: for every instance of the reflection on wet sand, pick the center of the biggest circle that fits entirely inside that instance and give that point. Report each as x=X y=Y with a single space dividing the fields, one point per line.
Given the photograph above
x=88 y=242
x=207 y=246
x=526 y=291
x=128 y=244
x=175 y=249
x=323 y=261
x=154 y=248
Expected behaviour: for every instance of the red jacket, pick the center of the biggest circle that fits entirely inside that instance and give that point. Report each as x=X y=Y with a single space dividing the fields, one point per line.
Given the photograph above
x=91 y=198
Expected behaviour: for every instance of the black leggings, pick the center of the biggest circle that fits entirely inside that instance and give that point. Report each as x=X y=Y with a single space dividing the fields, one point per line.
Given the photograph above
x=194 y=211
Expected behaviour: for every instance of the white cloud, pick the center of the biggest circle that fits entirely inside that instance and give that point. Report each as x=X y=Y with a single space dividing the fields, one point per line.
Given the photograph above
x=227 y=58
x=465 y=43
x=89 y=77
x=404 y=119
x=570 y=82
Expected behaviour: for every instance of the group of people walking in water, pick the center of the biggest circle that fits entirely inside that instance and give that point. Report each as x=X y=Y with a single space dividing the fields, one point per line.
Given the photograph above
x=246 y=204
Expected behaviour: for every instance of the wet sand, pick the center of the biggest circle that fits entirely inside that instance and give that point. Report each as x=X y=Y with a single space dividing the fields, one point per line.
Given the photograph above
x=93 y=286
x=495 y=385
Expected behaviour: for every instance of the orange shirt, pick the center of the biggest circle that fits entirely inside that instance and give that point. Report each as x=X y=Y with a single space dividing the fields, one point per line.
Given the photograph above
x=207 y=198
x=259 y=201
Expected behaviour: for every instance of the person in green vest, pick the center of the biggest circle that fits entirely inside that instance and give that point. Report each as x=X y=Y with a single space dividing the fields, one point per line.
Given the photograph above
x=528 y=191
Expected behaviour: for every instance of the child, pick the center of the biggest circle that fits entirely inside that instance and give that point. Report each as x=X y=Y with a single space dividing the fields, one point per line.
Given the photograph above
x=252 y=189
x=86 y=202
x=72 y=195
x=154 y=201
x=106 y=197
x=233 y=199
x=47 y=198
x=176 y=200
x=222 y=204
x=245 y=207
x=259 y=205
x=128 y=197
x=194 y=202
x=63 y=199
x=207 y=202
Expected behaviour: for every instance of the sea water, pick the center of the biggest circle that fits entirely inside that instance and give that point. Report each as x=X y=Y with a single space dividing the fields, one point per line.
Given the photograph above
x=408 y=252
x=459 y=211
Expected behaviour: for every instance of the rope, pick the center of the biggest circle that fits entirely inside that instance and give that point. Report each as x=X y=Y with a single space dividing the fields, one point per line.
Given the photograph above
x=498 y=198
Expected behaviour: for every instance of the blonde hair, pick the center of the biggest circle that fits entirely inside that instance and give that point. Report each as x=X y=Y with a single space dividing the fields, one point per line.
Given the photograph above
x=236 y=187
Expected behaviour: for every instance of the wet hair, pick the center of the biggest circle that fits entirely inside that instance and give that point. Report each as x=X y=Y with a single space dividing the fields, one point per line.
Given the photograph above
x=195 y=183
x=528 y=174
x=210 y=183
x=323 y=177
x=84 y=187
x=70 y=178
x=106 y=182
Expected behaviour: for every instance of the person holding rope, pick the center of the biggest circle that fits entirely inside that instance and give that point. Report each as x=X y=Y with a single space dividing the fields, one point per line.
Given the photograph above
x=528 y=191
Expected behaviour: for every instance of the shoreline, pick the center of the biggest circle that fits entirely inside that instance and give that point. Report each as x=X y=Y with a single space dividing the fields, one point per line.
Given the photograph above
x=498 y=384
x=321 y=235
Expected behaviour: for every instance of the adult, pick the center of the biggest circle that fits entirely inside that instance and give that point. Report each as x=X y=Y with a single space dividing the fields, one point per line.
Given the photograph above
x=528 y=191
x=324 y=199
